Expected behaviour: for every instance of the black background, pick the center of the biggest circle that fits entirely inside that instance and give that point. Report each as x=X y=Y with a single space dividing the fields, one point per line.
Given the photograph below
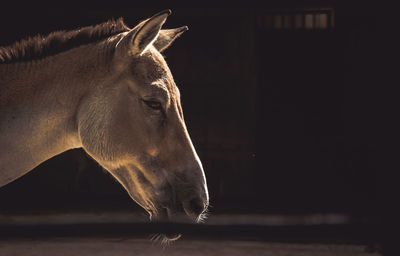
x=284 y=121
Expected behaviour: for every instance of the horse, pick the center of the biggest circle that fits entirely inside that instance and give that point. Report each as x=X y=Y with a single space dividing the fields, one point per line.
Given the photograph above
x=107 y=89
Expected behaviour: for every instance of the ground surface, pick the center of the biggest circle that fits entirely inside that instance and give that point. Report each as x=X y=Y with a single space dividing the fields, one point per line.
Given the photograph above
x=100 y=246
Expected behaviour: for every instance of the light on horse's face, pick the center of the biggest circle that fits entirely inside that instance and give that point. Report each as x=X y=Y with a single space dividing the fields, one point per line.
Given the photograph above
x=138 y=134
x=166 y=175
x=133 y=126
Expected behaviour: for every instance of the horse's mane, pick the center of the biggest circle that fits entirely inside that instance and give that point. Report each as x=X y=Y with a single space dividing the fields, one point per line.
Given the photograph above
x=38 y=47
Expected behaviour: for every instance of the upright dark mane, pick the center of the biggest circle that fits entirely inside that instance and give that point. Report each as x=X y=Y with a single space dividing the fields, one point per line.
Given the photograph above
x=38 y=47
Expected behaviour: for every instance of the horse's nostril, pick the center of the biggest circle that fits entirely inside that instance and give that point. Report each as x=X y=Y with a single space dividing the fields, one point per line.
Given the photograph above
x=196 y=206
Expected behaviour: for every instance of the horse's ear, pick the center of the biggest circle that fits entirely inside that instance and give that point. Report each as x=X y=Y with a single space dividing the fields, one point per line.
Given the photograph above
x=143 y=35
x=167 y=36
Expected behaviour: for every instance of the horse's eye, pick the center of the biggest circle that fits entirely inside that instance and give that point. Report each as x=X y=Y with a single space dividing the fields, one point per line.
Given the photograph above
x=153 y=104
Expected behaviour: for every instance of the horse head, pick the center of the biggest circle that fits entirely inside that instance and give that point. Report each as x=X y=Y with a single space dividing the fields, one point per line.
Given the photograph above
x=133 y=125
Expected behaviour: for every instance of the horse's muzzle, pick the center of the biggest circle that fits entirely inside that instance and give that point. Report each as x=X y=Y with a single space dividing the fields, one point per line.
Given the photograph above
x=195 y=207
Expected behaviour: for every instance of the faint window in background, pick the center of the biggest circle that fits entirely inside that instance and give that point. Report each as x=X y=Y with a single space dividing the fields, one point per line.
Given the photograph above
x=308 y=22
x=267 y=21
x=277 y=21
x=321 y=21
x=287 y=21
x=298 y=19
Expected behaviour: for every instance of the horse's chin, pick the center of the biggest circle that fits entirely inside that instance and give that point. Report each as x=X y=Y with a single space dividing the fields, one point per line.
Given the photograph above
x=166 y=236
x=171 y=237
x=165 y=239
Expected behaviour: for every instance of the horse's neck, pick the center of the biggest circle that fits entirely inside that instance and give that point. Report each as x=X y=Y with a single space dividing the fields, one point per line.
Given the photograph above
x=38 y=104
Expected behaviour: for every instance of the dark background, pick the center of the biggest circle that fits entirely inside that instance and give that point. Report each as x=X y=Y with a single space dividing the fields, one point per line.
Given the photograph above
x=285 y=120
